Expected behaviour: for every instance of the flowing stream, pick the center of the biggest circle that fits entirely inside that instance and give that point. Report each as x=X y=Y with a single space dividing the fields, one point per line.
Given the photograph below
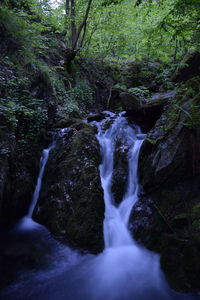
x=124 y=270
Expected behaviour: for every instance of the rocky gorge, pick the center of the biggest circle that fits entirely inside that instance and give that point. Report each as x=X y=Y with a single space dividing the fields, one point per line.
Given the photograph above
x=166 y=219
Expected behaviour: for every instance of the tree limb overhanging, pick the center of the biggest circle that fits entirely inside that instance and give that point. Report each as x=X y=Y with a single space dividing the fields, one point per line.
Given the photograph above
x=82 y=25
x=77 y=34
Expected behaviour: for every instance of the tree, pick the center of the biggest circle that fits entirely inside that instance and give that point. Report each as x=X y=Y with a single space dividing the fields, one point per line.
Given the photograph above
x=77 y=31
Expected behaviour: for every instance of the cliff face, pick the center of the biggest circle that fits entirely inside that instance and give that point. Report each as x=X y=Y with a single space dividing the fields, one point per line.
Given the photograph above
x=167 y=215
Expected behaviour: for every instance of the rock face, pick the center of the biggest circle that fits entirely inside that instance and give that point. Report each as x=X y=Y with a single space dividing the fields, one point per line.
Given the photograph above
x=120 y=171
x=130 y=102
x=71 y=203
x=18 y=169
x=145 y=113
x=170 y=175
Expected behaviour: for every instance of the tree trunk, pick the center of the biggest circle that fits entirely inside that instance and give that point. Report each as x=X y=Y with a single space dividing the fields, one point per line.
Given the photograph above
x=69 y=57
x=77 y=35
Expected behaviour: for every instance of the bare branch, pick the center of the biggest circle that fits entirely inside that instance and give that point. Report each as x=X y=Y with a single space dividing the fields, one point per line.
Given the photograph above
x=73 y=22
x=82 y=25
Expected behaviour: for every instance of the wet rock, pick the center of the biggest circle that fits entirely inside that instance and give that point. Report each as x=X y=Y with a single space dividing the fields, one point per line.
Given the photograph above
x=71 y=203
x=65 y=122
x=169 y=170
x=167 y=145
x=130 y=102
x=146 y=113
x=80 y=125
x=160 y=99
x=120 y=171
x=95 y=117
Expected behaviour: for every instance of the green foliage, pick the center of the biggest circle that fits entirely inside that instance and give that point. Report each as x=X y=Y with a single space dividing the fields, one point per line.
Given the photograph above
x=82 y=94
x=154 y=29
x=30 y=124
x=139 y=91
x=8 y=116
x=121 y=86
x=26 y=123
x=22 y=114
x=120 y=29
x=152 y=141
x=22 y=37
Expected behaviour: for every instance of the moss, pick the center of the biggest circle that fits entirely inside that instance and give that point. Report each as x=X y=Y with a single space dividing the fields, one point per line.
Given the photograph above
x=152 y=141
x=76 y=209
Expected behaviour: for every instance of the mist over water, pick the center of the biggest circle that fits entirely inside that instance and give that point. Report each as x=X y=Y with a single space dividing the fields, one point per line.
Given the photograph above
x=124 y=270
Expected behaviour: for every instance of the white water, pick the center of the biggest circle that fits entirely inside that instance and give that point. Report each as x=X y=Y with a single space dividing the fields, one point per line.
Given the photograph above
x=36 y=194
x=116 y=219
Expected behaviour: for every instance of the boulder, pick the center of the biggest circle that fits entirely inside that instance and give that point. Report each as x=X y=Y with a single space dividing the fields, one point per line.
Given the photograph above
x=71 y=203
x=148 y=113
x=65 y=122
x=130 y=102
x=120 y=171
x=145 y=113
x=95 y=117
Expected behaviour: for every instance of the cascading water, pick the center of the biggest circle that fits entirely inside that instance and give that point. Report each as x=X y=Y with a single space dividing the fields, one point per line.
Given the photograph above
x=124 y=270
x=116 y=219
x=26 y=223
x=43 y=161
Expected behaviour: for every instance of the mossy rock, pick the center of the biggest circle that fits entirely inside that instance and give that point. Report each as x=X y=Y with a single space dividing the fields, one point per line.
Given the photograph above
x=130 y=102
x=65 y=122
x=71 y=203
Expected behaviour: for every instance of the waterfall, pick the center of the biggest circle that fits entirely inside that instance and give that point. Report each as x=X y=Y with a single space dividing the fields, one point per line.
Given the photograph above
x=27 y=223
x=124 y=270
x=43 y=161
x=116 y=218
